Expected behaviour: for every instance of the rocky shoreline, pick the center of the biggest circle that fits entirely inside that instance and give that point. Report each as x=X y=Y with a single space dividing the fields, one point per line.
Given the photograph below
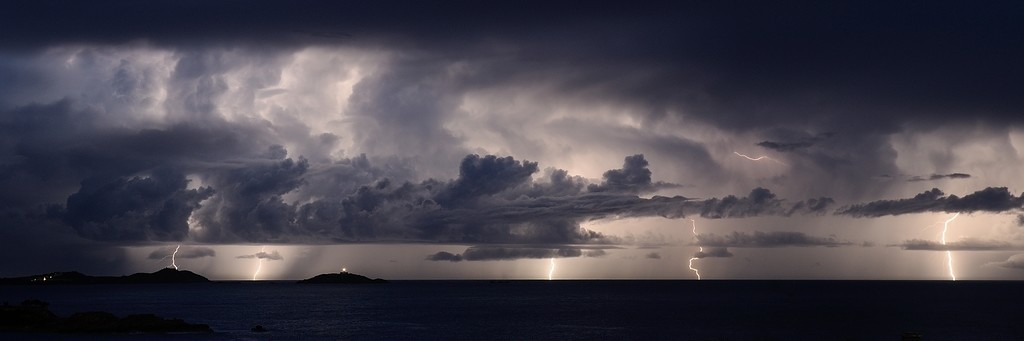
x=34 y=316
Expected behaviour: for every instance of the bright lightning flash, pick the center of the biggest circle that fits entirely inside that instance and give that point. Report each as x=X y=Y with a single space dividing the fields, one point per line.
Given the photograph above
x=173 y=263
x=699 y=249
x=260 y=264
x=759 y=158
x=949 y=254
x=551 y=271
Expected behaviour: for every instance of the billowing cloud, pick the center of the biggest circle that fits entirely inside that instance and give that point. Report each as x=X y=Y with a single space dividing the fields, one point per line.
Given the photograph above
x=990 y=199
x=760 y=239
x=273 y=255
x=493 y=200
x=186 y=252
x=139 y=208
x=760 y=201
x=634 y=177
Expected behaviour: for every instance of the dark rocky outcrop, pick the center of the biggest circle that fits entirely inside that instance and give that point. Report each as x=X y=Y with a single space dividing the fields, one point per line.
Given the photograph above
x=35 y=316
x=341 y=278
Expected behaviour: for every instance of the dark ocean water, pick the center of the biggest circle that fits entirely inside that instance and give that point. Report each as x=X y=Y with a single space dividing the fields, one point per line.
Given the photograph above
x=677 y=310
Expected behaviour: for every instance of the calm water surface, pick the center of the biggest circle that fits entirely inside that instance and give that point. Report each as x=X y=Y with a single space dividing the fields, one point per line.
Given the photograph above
x=679 y=310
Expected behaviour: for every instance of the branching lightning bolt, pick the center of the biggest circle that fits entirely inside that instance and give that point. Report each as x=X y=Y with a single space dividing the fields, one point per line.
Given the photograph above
x=699 y=249
x=759 y=158
x=173 y=263
x=949 y=254
x=551 y=271
x=260 y=264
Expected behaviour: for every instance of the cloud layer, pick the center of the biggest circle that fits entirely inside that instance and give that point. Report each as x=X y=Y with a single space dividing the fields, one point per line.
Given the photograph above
x=991 y=199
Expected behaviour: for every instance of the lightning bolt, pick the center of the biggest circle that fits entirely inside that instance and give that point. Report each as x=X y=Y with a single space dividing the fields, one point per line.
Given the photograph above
x=759 y=158
x=949 y=254
x=260 y=264
x=173 y=263
x=699 y=249
x=551 y=271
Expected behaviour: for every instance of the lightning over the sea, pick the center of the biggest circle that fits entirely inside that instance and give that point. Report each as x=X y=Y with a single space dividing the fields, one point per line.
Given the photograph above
x=173 y=263
x=551 y=271
x=699 y=249
x=759 y=158
x=259 y=265
x=949 y=254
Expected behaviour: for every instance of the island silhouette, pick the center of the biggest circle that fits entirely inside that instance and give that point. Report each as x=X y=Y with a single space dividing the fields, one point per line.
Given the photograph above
x=165 y=275
x=343 y=277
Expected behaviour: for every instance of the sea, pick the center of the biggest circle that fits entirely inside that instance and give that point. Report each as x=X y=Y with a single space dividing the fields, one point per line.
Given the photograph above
x=557 y=310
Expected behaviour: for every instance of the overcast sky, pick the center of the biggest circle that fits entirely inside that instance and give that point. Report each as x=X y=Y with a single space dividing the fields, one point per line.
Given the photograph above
x=478 y=140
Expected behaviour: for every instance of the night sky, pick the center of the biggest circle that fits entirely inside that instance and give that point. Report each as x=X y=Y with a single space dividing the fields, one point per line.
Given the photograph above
x=410 y=140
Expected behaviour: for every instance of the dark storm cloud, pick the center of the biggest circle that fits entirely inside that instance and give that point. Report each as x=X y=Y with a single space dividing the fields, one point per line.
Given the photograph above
x=960 y=245
x=186 y=252
x=273 y=255
x=125 y=185
x=766 y=239
x=493 y=200
x=990 y=199
x=807 y=67
x=37 y=240
x=488 y=253
x=249 y=204
x=740 y=68
x=150 y=208
x=940 y=177
x=54 y=148
x=713 y=252
x=801 y=143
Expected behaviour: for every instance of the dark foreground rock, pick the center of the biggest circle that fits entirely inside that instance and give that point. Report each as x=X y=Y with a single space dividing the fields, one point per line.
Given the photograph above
x=341 y=278
x=35 y=316
x=166 y=275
